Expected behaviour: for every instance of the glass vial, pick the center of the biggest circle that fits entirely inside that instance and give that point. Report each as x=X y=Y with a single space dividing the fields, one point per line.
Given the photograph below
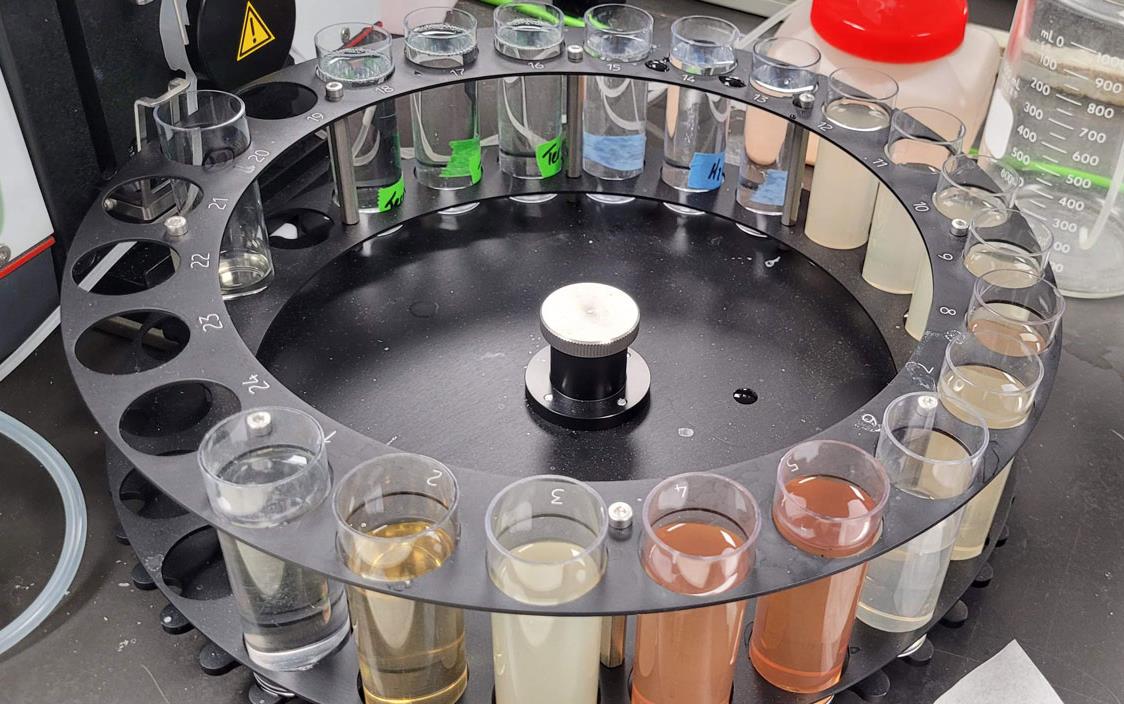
x=615 y=110
x=932 y=454
x=699 y=536
x=780 y=66
x=694 y=145
x=546 y=546
x=828 y=502
x=529 y=109
x=445 y=121
x=358 y=55
x=921 y=139
x=841 y=202
x=1005 y=238
x=396 y=520
x=208 y=128
x=263 y=468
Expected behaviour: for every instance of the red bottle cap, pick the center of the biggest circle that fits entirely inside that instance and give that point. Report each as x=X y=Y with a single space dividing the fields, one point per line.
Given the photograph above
x=893 y=31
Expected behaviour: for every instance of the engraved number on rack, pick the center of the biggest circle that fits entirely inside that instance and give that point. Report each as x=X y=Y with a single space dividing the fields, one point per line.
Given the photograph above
x=211 y=321
x=384 y=89
x=457 y=71
x=219 y=203
x=688 y=78
x=556 y=496
x=878 y=163
x=760 y=98
x=945 y=310
x=682 y=489
x=825 y=126
x=258 y=155
x=254 y=384
x=613 y=67
x=947 y=256
x=315 y=117
x=437 y=474
x=201 y=261
x=537 y=65
x=921 y=206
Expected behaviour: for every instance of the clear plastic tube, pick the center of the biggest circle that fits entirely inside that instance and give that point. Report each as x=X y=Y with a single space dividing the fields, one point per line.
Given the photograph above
x=74 y=538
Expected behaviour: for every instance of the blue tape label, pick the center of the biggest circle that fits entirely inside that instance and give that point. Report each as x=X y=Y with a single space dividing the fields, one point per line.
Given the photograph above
x=771 y=191
x=707 y=170
x=623 y=152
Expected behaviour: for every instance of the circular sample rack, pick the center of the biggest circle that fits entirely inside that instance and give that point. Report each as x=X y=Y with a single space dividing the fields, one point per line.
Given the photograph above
x=155 y=411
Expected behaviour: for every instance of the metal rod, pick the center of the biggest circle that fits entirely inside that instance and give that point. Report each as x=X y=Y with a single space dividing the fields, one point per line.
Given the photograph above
x=796 y=151
x=613 y=630
x=575 y=99
x=343 y=170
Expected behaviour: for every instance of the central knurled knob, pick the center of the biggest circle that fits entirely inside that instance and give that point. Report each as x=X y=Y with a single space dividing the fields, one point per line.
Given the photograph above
x=589 y=320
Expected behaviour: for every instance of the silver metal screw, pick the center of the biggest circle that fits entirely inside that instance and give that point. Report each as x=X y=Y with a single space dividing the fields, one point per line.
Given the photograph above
x=575 y=53
x=5 y=254
x=175 y=227
x=958 y=228
x=804 y=101
x=333 y=91
x=259 y=423
x=620 y=515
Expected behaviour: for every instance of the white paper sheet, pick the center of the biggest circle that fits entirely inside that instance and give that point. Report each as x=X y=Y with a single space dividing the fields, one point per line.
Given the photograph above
x=1010 y=677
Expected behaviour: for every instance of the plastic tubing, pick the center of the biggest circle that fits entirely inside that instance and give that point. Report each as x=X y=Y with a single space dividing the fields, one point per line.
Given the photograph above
x=74 y=541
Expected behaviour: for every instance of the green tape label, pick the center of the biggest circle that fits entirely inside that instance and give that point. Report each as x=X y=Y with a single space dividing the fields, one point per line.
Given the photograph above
x=465 y=160
x=548 y=155
x=390 y=197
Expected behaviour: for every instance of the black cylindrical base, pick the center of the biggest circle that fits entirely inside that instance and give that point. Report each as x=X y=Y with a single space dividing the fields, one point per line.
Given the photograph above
x=588 y=378
x=589 y=414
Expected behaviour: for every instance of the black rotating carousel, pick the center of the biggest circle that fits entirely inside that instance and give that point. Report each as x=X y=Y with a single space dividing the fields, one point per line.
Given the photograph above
x=427 y=339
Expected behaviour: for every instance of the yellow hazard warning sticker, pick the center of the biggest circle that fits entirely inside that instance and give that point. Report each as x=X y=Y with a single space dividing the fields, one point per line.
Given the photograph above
x=255 y=33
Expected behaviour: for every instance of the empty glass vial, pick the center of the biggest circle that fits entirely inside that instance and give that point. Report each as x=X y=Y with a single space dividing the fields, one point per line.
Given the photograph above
x=445 y=120
x=529 y=109
x=932 y=454
x=546 y=546
x=263 y=468
x=694 y=145
x=396 y=519
x=208 y=128
x=358 y=55
x=614 y=113
x=780 y=66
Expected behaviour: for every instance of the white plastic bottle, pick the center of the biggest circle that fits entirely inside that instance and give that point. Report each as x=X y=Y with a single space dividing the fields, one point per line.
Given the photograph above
x=926 y=46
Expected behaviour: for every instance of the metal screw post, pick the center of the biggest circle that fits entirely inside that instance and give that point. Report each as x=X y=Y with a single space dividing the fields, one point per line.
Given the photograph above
x=175 y=228
x=343 y=170
x=575 y=98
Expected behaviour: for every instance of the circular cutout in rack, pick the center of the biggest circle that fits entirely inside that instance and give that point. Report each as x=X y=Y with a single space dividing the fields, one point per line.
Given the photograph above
x=172 y=419
x=194 y=567
x=133 y=342
x=107 y=271
x=278 y=101
x=146 y=200
x=143 y=498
